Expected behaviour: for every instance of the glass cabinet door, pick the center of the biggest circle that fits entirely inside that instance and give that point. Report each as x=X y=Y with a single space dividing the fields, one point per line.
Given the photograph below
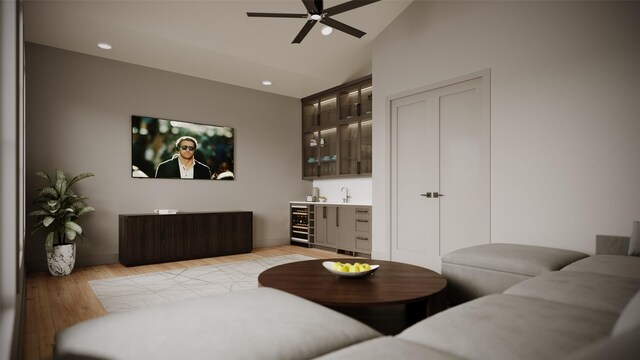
x=328 y=152
x=365 y=147
x=310 y=158
x=328 y=111
x=349 y=149
x=310 y=114
x=349 y=100
x=366 y=100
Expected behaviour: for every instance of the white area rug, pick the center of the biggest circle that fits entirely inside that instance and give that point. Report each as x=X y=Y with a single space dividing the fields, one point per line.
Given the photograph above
x=132 y=292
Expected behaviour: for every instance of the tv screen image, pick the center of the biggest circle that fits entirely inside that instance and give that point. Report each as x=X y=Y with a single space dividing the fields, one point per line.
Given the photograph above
x=173 y=149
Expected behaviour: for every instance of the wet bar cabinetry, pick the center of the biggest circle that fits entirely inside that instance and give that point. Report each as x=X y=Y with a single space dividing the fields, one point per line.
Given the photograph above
x=336 y=131
x=151 y=238
x=346 y=228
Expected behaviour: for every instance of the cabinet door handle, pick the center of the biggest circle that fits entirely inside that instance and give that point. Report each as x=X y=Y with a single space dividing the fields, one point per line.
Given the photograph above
x=337 y=221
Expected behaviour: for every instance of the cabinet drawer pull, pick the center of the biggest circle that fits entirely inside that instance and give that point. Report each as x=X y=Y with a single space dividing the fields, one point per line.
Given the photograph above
x=362 y=238
x=362 y=211
x=364 y=221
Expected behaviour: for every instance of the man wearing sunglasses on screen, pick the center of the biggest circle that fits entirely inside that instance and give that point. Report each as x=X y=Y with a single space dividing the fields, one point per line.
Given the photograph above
x=183 y=164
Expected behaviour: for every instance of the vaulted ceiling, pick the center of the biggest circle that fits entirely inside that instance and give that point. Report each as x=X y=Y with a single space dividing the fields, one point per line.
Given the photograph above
x=215 y=39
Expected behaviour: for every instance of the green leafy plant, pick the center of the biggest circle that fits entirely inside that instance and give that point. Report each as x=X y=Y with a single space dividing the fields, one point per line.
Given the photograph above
x=59 y=208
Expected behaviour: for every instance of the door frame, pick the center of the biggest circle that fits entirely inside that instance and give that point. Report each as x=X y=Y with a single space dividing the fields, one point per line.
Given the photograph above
x=486 y=115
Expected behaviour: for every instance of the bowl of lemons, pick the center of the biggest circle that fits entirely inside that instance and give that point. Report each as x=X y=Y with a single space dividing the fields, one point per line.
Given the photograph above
x=350 y=270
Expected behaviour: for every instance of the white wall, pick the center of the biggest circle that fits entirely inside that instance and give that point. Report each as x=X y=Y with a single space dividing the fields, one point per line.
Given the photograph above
x=79 y=111
x=565 y=105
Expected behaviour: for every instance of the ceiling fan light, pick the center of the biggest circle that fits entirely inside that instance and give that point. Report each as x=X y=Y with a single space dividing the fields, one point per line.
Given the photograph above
x=327 y=30
x=316 y=17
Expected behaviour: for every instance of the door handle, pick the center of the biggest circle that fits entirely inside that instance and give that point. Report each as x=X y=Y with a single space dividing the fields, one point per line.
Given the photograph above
x=432 y=194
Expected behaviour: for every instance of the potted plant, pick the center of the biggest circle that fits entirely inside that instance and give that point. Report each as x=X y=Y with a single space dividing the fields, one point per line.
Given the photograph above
x=59 y=207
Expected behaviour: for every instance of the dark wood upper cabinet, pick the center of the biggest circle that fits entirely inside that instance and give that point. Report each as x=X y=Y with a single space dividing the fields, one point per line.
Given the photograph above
x=337 y=131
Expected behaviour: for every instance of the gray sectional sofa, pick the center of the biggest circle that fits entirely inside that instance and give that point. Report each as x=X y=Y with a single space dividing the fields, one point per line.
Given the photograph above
x=588 y=309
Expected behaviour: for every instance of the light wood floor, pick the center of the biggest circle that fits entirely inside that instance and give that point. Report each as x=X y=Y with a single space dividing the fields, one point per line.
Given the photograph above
x=55 y=303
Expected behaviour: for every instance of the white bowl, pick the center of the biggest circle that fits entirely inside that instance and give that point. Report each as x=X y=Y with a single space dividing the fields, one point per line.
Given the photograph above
x=329 y=266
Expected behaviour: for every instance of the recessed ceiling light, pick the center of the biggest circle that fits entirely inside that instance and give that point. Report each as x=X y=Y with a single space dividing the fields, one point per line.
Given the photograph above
x=326 y=30
x=267 y=83
x=104 y=45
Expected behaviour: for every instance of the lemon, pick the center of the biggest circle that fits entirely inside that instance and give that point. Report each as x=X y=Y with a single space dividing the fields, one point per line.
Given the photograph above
x=351 y=268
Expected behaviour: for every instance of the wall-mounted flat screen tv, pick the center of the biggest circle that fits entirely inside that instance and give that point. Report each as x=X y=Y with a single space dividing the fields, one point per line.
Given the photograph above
x=173 y=149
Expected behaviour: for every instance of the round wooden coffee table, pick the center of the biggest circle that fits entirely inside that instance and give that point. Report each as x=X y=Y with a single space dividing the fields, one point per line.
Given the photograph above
x=418 y=291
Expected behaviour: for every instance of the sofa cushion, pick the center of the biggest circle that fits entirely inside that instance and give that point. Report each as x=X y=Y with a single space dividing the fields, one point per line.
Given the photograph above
x=617 y=265
x=518 y=259
x=612 y=245
x=593 y=291
x=388 y=348
x=466 y=283
x=492 y=268
x=511 y=327
x=261 y=323
x=634 y=242
x=630 y=317
x=622 y=347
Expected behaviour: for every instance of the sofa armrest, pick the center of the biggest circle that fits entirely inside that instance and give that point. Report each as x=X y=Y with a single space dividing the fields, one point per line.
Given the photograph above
x=612 y=245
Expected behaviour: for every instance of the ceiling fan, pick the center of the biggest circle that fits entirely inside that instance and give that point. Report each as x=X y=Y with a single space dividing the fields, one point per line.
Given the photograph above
x=316 y=13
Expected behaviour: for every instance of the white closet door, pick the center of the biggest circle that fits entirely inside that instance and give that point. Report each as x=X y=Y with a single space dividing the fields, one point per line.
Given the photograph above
x=440 y=183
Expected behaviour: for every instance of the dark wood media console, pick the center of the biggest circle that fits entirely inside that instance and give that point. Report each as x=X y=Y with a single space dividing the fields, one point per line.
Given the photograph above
x=150 y=238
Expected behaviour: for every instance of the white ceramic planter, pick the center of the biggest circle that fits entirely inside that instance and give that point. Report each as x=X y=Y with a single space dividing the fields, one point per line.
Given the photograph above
x=62 y=259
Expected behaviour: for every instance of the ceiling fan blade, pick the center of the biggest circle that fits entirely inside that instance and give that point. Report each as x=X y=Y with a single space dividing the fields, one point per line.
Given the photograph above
x=305 y=30
x=313 y=6
x=354 y=4
x=277 y=15
x=342 y=27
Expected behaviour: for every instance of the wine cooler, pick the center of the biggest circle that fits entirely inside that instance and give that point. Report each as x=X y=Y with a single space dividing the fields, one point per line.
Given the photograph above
x=302 y=227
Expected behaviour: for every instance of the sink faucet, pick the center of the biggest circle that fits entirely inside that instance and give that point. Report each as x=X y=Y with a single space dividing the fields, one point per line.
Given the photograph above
x=345 y=194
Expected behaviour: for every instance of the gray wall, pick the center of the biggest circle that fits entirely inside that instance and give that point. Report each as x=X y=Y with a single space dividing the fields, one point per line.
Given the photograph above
x=78 y=119
x=565 y=124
